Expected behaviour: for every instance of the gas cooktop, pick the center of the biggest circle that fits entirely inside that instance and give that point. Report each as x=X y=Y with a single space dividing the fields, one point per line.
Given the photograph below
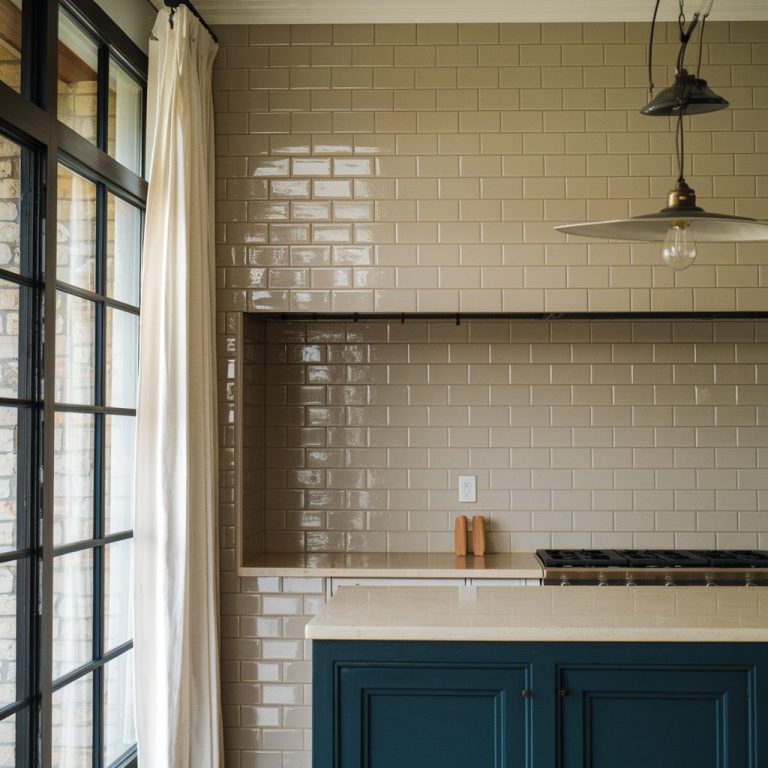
x=652 y=558
x=745 y=567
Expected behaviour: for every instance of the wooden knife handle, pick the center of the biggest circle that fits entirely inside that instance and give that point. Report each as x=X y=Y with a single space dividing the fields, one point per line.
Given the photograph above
x=478 y=535
x=460 y=537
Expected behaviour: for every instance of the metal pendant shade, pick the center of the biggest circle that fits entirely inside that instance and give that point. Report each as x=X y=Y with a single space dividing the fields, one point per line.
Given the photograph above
x=688 y=96
x=681 y=213
x=704 y=227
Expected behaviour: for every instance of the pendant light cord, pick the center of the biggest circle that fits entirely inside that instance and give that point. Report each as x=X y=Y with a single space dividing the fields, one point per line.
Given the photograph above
x=704 y=10
x=684 y=37
x=650 y=49
x=701 y=44
x=680 y=147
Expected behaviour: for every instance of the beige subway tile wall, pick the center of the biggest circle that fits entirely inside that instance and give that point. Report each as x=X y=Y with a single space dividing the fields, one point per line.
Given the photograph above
x=250 y=350
x=265 y=661
x=422 y=168
x=581 y=434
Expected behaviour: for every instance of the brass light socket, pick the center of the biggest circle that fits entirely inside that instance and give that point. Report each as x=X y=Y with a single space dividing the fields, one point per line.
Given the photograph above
x=682 y=197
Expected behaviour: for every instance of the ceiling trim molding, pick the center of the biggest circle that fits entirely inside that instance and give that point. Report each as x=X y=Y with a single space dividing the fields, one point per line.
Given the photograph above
x=455 y=11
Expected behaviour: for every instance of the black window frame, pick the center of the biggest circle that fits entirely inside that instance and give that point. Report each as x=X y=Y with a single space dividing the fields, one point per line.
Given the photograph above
x=26 y=554
x=29 y=118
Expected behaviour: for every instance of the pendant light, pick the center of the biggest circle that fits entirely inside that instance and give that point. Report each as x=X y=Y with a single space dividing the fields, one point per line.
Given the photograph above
x=696 y=99
x=682 y=223
x=690 y=95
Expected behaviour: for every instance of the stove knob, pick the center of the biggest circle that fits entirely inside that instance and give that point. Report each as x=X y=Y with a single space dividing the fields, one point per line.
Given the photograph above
x=668 y=582
x=565 y=581
x=710 y=582
x=602 y=583
x=630 y=582
x=750 y=583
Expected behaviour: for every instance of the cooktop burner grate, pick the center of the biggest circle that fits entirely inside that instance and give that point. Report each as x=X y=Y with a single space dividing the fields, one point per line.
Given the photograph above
x=736 y=558
x=652 y=558
x=663 y=558
x=580 y=558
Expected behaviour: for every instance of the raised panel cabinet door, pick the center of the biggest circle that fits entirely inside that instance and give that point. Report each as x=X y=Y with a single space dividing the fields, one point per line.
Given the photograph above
x=637 y=717
x=432 y=716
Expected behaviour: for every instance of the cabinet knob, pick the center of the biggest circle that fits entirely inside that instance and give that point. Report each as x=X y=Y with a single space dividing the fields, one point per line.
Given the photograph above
x=525 y=693
x=562 y=693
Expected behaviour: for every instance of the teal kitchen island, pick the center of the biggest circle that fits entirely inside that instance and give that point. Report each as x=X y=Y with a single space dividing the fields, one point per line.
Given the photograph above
x=541 y=677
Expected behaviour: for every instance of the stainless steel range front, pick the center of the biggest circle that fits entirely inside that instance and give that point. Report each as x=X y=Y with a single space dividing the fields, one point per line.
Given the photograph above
x=638 y=567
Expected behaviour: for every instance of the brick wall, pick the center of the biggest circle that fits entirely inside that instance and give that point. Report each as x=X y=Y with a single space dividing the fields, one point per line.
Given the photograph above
x=9 y=376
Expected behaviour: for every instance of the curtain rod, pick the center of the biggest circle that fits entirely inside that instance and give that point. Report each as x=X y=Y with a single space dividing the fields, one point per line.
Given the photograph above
x=174 y=4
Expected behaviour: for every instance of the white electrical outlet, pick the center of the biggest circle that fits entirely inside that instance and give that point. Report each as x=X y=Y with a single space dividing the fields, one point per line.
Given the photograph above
x=467 y=488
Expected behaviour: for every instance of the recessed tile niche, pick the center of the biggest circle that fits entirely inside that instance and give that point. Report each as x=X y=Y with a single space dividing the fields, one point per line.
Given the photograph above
x=594 y=433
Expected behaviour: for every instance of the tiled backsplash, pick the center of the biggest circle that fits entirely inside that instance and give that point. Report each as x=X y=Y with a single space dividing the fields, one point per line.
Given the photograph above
x=593 y=434
x=423 y=167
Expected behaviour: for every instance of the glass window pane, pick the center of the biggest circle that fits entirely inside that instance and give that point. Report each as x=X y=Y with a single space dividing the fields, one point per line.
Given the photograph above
x=72 y=717
x=118 y=480
x=10 y=201
x=78 y=65
x=8 y=742
x=10 y=46
x=125 y=108
x=76 y=233
x=72 y=611
x=10 y=296
x=9 y=438
x=122 y=358
x=118 y=609
x=75 y=349
x=123 y=250
x=119 y=724
x=73 y=478
x=8 y=573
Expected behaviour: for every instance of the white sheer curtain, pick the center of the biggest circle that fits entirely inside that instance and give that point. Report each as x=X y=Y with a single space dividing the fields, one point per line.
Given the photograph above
x=178 y=705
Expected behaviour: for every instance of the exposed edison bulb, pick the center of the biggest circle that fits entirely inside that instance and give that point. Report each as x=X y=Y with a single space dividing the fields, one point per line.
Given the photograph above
x=679 y=249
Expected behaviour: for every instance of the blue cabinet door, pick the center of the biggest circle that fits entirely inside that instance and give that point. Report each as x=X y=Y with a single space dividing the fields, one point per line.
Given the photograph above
x=432 y=716
x=623 y=705
x=638 y=717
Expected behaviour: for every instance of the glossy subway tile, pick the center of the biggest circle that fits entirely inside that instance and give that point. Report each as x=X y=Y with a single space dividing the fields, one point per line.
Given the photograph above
x=370 y=129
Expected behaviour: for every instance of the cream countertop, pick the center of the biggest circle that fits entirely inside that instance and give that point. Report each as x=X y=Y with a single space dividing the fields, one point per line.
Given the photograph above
x=398 y=565
x=576 y=614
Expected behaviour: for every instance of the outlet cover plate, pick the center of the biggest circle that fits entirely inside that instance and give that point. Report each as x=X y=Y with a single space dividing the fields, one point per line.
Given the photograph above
x=467 y=488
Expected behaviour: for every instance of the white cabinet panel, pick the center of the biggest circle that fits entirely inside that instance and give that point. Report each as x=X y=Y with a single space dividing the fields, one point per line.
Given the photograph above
x=334 y=584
